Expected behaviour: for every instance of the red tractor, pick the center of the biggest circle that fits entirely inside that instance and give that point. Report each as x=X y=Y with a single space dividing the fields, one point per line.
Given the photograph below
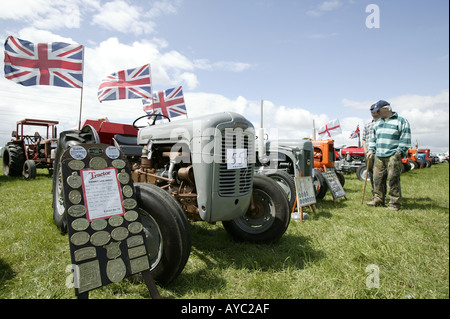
x=24 y=153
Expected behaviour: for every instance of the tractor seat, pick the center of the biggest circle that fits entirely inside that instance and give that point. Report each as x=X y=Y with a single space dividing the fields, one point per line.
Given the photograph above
x=128 y=145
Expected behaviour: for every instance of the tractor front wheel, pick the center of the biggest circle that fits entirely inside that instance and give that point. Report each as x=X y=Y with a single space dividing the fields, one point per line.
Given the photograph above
x=268 y=216
x=29 y=169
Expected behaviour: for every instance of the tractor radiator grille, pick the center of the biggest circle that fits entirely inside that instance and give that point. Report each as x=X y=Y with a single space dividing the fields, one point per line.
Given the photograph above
x=236 y=182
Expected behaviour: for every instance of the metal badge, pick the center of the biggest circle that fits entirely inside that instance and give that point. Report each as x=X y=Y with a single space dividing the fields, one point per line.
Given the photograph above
x=139 y=264
x=116 y=270
x=95 y=151
x=112 y=152
x=127 y=191
x=77 y=152
x=119 y=233
x=116 y=221
x=129 y=203
x=76 y=165
x=98 y=163
x=135 y=227
x=75 y=197
x=135 y=241
x=113 y=250
x=118 y=163
x=74 y=180
x=76 y=210
x=123 y=177
x=136 y=251
x=88 y=276
x=85 y=253
x=80 y=224
x=79 y=238
x=100 y=238
x=99 y=224
x=131 y=215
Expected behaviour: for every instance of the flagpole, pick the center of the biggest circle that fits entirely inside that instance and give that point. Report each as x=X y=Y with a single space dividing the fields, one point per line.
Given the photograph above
x=81 y=94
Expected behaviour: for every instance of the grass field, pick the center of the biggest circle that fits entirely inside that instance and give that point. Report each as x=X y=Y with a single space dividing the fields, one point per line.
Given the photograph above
x=324 y=257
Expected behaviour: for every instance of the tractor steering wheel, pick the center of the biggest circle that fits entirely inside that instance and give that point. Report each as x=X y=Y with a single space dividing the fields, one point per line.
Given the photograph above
x=155 y=115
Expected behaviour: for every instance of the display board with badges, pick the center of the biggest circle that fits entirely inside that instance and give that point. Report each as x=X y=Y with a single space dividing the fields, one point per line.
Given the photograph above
x=336 y=189
x=106 y=235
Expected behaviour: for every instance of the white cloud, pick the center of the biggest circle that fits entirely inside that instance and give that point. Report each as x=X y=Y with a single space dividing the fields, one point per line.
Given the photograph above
x=324 y=7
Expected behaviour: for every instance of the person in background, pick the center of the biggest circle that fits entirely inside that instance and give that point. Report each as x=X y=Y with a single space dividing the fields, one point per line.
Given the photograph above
x=391 y=139
x=366 y=136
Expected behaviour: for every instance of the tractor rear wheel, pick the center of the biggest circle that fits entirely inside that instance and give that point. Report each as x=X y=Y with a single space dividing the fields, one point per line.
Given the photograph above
x=268 y=216
x=66 y=140
x=167 y=232
x=13 y=159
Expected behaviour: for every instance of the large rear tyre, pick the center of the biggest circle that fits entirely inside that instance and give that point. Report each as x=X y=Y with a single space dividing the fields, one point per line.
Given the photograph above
x=13 y=159
x=268 y=216
x=66 y=140
x=167 y=232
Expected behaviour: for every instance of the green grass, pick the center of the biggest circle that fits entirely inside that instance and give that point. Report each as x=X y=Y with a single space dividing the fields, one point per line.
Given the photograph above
x=324 y=257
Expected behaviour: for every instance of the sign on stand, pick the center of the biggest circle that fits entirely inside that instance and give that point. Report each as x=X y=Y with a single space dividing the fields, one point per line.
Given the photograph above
x=106 y=236
x=305 y=195
x=336 y=189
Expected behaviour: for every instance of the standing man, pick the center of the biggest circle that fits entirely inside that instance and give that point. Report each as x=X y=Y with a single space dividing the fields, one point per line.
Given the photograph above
x=367 y=135
x=391 y=139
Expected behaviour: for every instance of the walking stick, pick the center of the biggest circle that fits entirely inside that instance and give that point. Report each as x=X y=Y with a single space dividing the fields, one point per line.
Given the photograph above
x=365 y=182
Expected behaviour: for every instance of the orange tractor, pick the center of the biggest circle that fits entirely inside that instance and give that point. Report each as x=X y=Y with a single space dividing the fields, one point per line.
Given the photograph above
x=324 y=157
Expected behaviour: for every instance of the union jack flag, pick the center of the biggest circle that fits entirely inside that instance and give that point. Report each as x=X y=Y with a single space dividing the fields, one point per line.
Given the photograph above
x=126 y=84
x=169 y=102
x=56 y=63
x=355 y=133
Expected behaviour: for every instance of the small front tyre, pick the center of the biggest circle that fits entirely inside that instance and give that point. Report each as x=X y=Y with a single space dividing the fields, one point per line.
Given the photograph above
x=268 y=216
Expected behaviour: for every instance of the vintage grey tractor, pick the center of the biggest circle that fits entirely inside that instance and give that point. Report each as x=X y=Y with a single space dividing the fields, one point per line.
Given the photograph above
x=199 y=169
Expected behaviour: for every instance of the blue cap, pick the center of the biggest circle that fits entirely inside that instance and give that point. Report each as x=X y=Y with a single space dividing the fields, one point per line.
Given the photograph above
x=375 y=107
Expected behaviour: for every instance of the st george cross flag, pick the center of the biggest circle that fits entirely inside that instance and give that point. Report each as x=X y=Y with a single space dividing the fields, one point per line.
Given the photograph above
x=169 y=102
x=355 y=133
x=56 y=63
x=126 y=84
x=330 y=129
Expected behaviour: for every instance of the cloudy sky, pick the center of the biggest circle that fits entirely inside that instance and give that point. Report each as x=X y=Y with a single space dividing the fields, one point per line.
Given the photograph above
x=309 y=60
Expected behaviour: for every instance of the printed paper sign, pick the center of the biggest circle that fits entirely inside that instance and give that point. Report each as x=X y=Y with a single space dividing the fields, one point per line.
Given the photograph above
x=305 y=191
x=102 y=194
x=236 y=158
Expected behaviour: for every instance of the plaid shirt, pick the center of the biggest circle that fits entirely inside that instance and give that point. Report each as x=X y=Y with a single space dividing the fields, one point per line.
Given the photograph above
x=390 y=136
x=367 y=133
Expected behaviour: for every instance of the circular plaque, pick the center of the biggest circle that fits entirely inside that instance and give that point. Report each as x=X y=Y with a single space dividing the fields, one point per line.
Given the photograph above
x=78 y=152
x=98 y=163
x=135 y=227
x=75 y=197
x=79 y=238
x=112 y=152
x=129 y=203
x=118 y=163
x=74 y=180
x=131 y=215
x=127 y=191
x=100 y=238
x=99 y=224
x=76 y=210
x=116 y=221
x=123 y=177
x=80 y=224
x=116 y=270
x=119 y=233
x=76 y=165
